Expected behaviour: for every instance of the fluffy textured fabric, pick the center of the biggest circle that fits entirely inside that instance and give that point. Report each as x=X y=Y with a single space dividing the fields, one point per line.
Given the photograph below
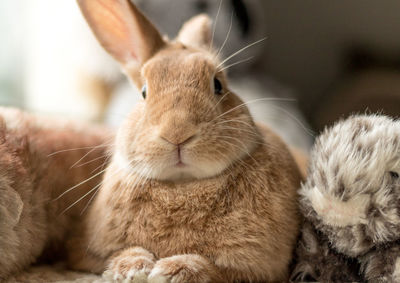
x=351 y=199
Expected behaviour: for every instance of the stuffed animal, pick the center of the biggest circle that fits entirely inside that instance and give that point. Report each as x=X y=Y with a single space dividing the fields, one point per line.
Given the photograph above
x=351 y=204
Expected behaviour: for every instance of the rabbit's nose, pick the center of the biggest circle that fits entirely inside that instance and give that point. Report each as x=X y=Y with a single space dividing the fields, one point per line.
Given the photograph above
x=178 y=140
x=177 y=129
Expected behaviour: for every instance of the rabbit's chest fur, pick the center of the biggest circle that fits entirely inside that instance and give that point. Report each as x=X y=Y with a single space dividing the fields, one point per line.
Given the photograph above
x=243 y=207
x=167 y=218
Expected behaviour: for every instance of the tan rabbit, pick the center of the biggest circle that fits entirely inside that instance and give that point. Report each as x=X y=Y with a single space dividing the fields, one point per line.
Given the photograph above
x=194 y=192
x=32 y=176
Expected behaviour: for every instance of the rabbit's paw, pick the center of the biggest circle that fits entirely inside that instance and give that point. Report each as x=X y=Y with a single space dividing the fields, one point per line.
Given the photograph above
x=132 y=265
x=183 y=268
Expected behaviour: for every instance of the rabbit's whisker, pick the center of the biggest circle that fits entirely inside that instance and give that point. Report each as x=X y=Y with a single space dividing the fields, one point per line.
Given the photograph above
x=227 y=36
x=81 y=198
x=77 y=185
x=90 y=200
x=253 y=101
x=215 y=25
x=79 y=148
x=238 y=129
x=135 y=177
x=220 y=156
x=102 y=165
x=83 y=157
x=307 y=130
x=88 y=193
x=219 y=101
x=240 y=51
x=237 y=146
x=90 y=161
x=234 y=121
x=138 y=175
x=253 y=136
x=236 y=63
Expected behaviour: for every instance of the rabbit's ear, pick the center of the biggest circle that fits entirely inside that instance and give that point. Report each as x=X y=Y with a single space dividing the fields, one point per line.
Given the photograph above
x=122 y=30
x=196 y=32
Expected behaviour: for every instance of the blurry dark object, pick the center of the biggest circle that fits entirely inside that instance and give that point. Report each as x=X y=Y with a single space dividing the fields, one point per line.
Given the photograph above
x=242 y=16
x=372 y=84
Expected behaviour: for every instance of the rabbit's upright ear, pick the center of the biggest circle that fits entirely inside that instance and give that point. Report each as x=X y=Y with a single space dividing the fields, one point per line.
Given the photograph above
x=196 y=32
x=122 y=30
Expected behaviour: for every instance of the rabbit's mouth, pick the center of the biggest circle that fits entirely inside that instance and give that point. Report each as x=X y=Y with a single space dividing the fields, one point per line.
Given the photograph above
x=180 y=164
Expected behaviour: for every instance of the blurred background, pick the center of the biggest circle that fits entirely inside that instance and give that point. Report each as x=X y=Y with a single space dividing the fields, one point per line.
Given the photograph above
x=320 y=60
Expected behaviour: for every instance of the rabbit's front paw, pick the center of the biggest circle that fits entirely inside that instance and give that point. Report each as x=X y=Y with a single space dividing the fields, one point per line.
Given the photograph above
x=132 y=265
x=183 y=268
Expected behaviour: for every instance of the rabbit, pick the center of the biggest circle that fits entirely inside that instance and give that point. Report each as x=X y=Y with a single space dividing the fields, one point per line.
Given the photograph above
x=90 y=86
x=194 y=191
x=33 y=174
x=351 y=201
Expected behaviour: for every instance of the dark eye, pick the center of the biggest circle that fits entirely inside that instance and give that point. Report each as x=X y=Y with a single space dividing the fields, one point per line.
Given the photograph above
x=394 y=175
x=217 y=86
x=144 y=89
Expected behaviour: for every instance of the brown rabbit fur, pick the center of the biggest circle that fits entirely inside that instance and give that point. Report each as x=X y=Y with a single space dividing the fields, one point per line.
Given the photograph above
x=31 y=178
x=194 y=192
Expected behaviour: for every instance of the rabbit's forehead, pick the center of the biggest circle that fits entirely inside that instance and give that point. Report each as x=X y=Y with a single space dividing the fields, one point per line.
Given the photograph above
x=179 y=66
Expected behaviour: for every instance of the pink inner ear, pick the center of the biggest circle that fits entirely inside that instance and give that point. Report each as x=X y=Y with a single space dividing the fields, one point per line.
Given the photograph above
x=112 y=24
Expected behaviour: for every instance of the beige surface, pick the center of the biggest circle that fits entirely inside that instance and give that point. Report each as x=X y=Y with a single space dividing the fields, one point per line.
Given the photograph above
x=57 y=273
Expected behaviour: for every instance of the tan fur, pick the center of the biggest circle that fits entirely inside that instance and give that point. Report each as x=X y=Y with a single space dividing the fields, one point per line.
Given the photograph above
x=191 y=180
x=30 y=179
x=99 y=91
x=299 y=155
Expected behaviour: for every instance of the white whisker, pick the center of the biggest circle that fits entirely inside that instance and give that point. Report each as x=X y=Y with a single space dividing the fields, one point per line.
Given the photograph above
x=234 y=121
x=253 y=101
x=102 y=165
x=97 y=187
x=307 y=130
x=240 y=51
x=83 y=157
x=241 y=148
x=215 y=25
x=87 y=162
x=81 y=198
x=90 y=200
x=77 y=185
x=78 y=148
x=236 y=63
x=227 y=36
x=219 y=101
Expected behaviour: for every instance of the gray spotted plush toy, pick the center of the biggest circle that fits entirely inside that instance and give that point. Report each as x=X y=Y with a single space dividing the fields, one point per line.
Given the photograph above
x=351 y=204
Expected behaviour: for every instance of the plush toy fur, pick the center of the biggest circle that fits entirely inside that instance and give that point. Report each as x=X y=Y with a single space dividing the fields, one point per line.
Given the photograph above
x=351 y=202
x=33 y=175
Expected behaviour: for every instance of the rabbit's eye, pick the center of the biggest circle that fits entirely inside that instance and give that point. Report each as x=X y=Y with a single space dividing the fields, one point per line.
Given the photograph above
x=144 y=89
x=394 y=175
x=217 y=86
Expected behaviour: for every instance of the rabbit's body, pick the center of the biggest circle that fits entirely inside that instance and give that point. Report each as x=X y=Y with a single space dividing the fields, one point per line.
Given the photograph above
x=30 y=178
x=234 y=219
x=194 y=192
